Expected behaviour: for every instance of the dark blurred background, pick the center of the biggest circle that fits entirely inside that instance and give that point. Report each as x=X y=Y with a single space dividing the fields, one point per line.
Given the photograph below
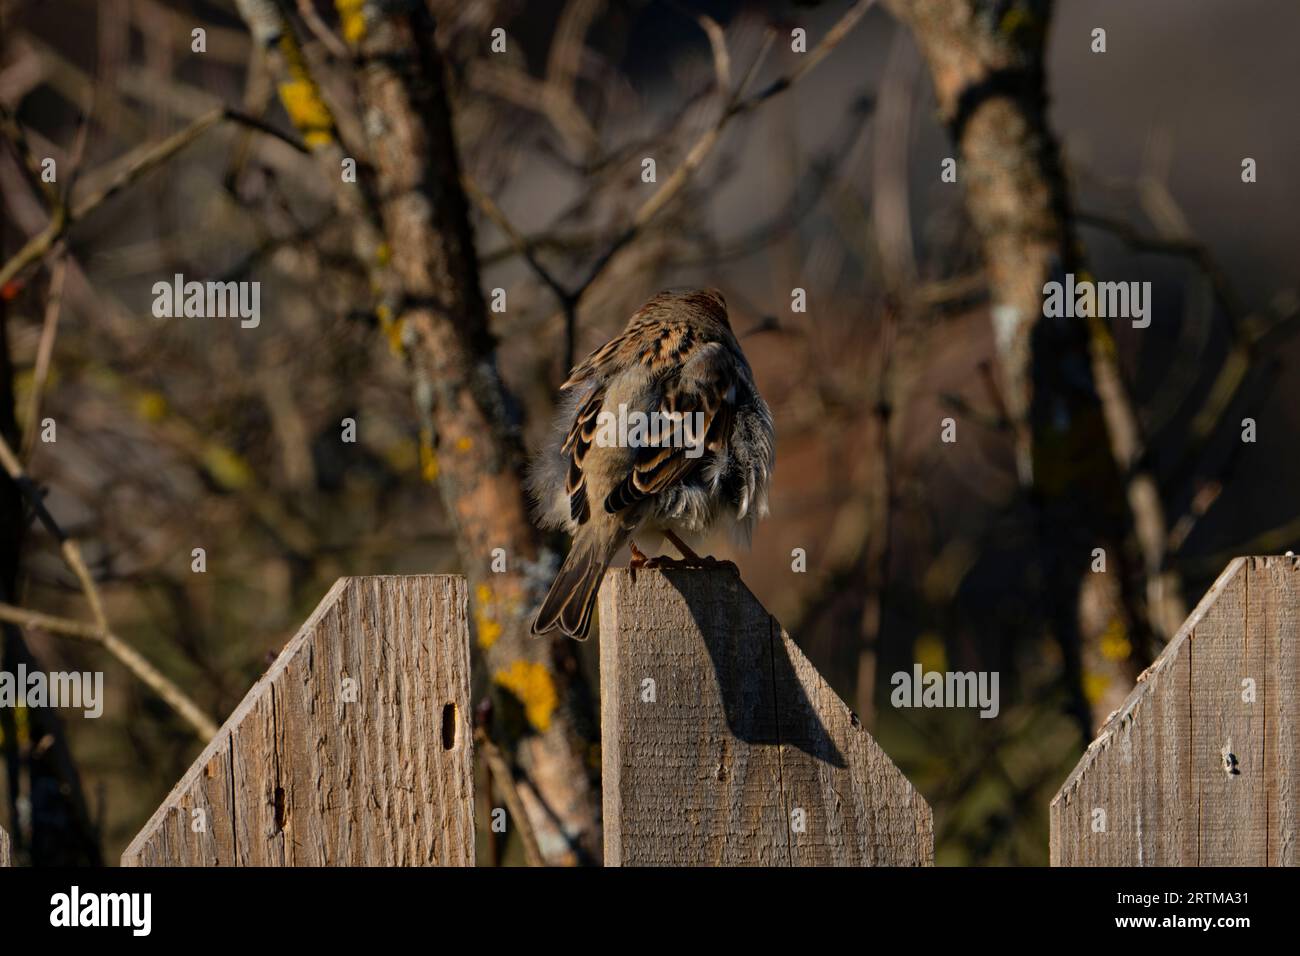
x=174 y=434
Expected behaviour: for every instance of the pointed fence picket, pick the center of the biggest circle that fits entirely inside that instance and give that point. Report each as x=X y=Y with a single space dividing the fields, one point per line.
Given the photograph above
x=352 y=749
x=1201 y=766
x=721 y=743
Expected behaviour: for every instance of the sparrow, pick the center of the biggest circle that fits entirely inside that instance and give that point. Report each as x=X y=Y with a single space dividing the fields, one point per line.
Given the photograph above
x=702 y=456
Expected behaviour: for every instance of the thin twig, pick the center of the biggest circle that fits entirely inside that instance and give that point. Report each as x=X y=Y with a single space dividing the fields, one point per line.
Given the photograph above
x=880 y=542
x=718 y=44
x=65 y=215
x=823 y=49
x=45 y=350
x=9 y=461
x=699 y=151
x=1185 y=248
x=501 y=775
x=204 y=727
x=517 y=240
x=99 y=632
x=736 y=105
x=14 y=132
x=562 y=66
x=338 y=49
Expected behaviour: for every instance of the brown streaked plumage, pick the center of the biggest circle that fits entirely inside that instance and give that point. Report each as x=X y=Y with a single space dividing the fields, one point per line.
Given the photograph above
x=677 y=357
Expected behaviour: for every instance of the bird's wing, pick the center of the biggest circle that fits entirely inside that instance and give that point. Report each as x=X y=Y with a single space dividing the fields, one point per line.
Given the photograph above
x=704 y=384
x=595 y=362
x=576 y=445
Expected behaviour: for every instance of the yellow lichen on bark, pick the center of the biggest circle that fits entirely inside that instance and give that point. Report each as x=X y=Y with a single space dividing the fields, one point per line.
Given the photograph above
x=302 y=100
x=533 y=685
x=352 y=19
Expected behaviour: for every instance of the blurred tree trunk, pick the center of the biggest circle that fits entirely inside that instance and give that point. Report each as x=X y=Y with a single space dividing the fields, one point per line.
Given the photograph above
x=413 y=236
x=1077 y=443
x=474 y=426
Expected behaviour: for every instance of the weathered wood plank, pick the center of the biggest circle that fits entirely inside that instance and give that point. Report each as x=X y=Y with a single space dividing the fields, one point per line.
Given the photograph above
x=1282 y=725
x=4 y=847
x=1227 y=734
x=351 y=750
x=721 y=744
x=1199 y=767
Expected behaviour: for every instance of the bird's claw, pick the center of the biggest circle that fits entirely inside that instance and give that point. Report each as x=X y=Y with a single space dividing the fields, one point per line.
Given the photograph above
x=698 y=563
x=661 y=562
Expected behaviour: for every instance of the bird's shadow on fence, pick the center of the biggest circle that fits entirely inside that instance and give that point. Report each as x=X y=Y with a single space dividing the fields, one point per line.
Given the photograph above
x=762 y=696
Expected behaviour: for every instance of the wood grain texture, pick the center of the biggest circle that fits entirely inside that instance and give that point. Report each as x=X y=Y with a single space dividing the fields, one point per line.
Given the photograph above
x=344 y=752
x=1191 y=771
x=738 y=752
x=4 y=847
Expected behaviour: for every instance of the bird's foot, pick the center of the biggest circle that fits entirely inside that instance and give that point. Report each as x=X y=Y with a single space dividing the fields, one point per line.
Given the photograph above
x=661 y=562
x=639 y=560
x=680 y=545
x=697 y=562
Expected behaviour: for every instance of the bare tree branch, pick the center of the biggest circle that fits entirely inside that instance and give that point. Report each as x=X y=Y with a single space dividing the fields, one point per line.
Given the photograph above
x=64 y=215
x=99 y=632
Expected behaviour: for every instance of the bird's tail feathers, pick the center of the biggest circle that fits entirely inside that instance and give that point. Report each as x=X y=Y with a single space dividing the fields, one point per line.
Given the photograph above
x=572 y=597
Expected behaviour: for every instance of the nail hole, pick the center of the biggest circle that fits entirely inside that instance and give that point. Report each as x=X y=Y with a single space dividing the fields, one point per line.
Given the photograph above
x=1230 y=765
x=448 y=726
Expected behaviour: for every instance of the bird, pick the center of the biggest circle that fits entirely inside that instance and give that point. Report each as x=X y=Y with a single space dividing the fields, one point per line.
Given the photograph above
x=661 y=431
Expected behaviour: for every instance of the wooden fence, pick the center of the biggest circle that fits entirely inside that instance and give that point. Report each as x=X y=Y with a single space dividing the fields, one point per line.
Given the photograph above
x=1201 y=766
x=354 y=747
x=721 y=743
